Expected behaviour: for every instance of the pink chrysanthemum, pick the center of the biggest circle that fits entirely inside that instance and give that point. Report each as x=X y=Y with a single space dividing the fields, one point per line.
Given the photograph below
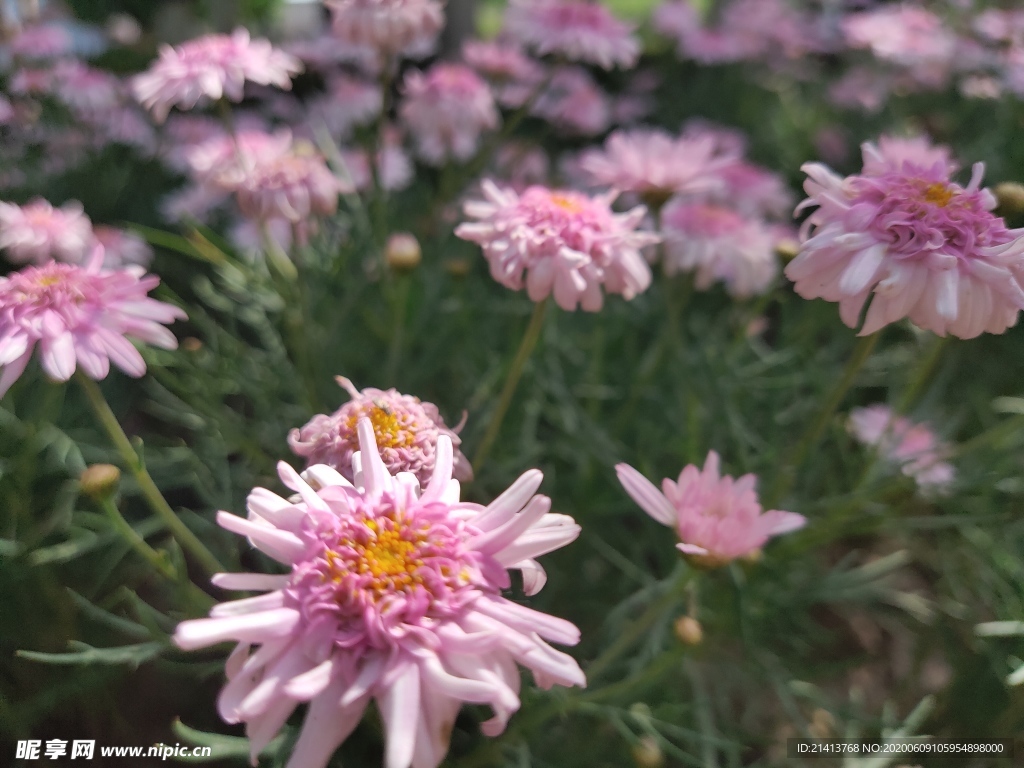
x=567 y=243
x=393 y=594
x=920 y=245
x=213 y=67
x=80 y=316
x=913 y=447
x=905 y=34
x=387 y=25
x=41 y=41
x=406 y=431
x=718 y=519
x=446 y=109
x=575 y=30
x=892 y=152
x=655 y=164
x=719 y=244
x=37 y=232
x=121 y=248
x=513 y=75
x=350 y=101
x=753 y=190
x=294 y=186
x=575 y=103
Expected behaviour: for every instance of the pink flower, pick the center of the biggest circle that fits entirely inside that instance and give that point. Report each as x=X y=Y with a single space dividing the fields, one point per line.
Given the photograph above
x=655 y=164
x=892 y=152
x=719 y=245
x=575 y=30
x=37 y=232
x=85 y=88
x=446 y=109
x=394 y=167
x=406 y=431
x=392 y=594
x=80 y=316
x=387 y=25
x=42 y=41
x=920 y=245
x=913 y=447
x=513 y=75
x=121 y=248
x=213 y=67
x=574 y=103
x=350 y=101
x=295 y=186
x=718 y=519
x=907 y=35
x=753 y=190
x=567 y=243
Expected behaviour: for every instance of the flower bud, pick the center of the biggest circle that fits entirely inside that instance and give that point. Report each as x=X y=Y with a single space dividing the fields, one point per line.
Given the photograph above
x=787 y=248
x=647 y=753
x=457 y=267
x=689 y=630
x=191 y=344
x=402 y=252
x=1010 y=196
x=99 y=481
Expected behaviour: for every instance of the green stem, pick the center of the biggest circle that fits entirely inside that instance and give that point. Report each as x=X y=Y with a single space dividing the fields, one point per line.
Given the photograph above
x=400 y=306
x=639 y=627
x=529 y=341
x=156 y=559
x=923 y=374
x=188 y=540
x=787 y=474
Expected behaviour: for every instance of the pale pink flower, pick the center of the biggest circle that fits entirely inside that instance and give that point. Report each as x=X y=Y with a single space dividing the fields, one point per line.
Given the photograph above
x=386 y=25
x=349 y=101
x=575 y=30
x=80 y=316
x=85 y=88
x=37 y=232
x=912 y=447
x=916 y=243
x=514 y=76
x=861 y=88
x=42 y=41
x=907 y=35
x=575 y=103
x=212 y=67
x=565 y=242
x=892 y=152
x=717 y=518
x=392 y=594
x=718 y=244
x=295 y=186
x=405 y=428
x=394 y=167
x=121 y=248
x=225 y=159
x=753 y=190
x=446 y=109
x=655 y=164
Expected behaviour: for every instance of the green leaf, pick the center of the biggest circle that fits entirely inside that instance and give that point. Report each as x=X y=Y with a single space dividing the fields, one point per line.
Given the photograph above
x=177 y=243
x=221 y=747
x=82 y=654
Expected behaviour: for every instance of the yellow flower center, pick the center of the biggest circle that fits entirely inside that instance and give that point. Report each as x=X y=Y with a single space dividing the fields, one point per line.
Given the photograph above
x=567 y=203
x=388 y=429
x=938 y=194
x=390 y=557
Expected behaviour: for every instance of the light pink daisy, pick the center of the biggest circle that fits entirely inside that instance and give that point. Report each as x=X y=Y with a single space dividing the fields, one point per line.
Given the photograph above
x=41 y=41
x=80 y=316
x=567 y=244
x=912 y=447
x=907 y=35
x=574 y=103
x=386 y=25
x=916 y=243
x=350 y=101
x=718 y=519
x=446 y=109
x=575 y=30
x=655 y=164
x=84 y=88
x=392 y=594
x=37 y=232
x=753 y=190
x=121 y=248
x=514 y=76
x=405 y=428
x=861 y=88
x=718 y=244
x=212 y=67
x=295 y=186
x=892 y=152
x=225 y=159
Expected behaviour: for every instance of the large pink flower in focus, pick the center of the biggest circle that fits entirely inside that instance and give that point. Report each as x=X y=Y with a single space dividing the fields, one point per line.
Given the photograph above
x=37 y=232
x=212 y=67
x=913 y=447
x=565 y=242
x=718 y=519
x=656 y=165
x=392 y=594
x=80 y=316
x=575 y=30
x=446 y=109
x=718 y=244
x=916 y=243
x=389 y=26
x=405 y=429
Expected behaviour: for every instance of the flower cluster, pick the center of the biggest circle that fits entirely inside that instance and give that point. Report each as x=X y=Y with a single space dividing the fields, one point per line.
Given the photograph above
x=576 y=30
x=912 y=447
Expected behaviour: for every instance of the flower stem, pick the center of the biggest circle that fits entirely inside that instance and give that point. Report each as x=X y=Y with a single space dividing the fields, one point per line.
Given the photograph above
x=639 y=627
x=154 y=498
x=787 y=473
x=529 y=341
x=922 y=374
x=156 y=559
